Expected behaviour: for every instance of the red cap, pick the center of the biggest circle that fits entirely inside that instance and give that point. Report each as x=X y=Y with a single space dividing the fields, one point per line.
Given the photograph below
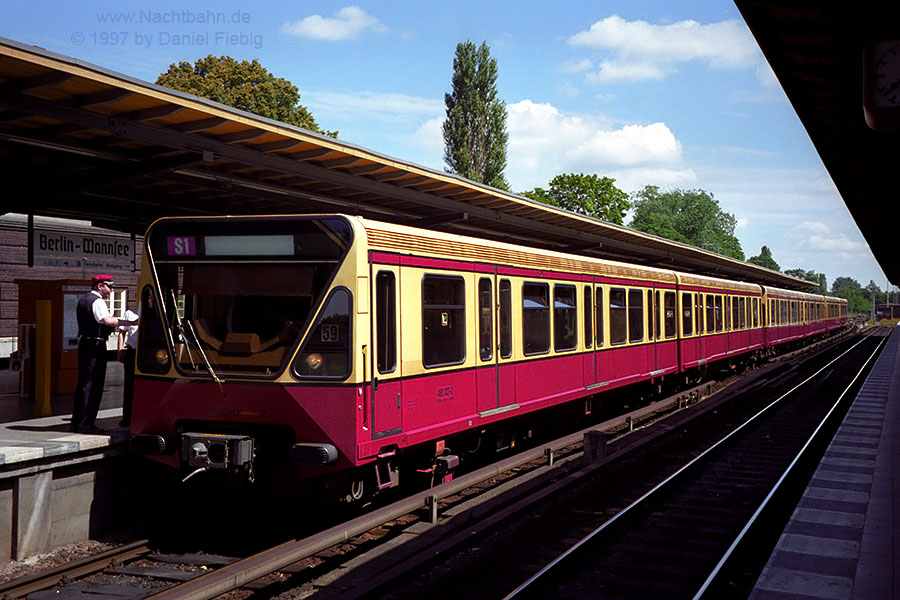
x=98 y=279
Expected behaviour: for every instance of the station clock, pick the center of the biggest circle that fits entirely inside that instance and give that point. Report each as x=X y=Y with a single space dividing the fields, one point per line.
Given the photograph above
x=881 y=85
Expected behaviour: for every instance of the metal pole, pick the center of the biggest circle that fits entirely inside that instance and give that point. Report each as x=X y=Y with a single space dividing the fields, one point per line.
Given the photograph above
x=42 y=359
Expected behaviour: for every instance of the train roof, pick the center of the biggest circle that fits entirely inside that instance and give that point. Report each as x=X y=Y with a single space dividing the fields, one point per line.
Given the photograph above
x=773 y=292
x=97 y=145
x=700 y=281
x=389 y=237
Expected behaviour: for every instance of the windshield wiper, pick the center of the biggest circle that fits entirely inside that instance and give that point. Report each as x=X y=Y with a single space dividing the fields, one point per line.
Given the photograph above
x=180 y=328
x=196 y=342
x=209 y=368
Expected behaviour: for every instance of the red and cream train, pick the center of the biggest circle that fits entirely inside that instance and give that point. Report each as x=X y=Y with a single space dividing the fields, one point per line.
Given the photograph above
x=336 y=349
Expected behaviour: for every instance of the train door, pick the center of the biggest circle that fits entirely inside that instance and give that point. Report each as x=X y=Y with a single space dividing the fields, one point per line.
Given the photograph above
x=506 y=369
x=486 y=380
x=386 y=399
x=589 y=358
x=700 y=316
x=655 y=334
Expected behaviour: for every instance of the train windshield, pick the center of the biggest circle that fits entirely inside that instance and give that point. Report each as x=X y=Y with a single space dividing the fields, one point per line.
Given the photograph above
x=237 y=294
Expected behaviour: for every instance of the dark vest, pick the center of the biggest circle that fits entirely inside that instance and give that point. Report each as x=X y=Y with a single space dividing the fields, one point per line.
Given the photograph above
x=87 y=325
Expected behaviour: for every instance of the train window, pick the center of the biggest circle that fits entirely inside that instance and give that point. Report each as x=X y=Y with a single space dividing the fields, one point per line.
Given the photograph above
x=650 y=317
x=698 y=312
x=635 y=316
x=727 y=312
x=670 y=310
x=743 y=313
x=687 y=314
x=755 y=313
x=599 y=315
x=565 y=318
x=736 y=312
x=710 y=313
x=618 y=316
x=588 y=317
x=504 y=317
x=535 y=318
x=485 y=319
x=326 y=352
x=386 y=322
x=718 y=313
x=153 y=357
x=443 y=320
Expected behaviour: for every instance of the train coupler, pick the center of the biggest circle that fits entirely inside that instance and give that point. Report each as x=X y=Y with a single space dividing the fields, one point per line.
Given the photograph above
x=208 y=451
x=444 y=466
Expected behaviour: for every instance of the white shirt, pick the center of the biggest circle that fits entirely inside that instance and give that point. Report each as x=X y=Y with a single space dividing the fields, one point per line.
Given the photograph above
x=129 y=331
x=100 y=309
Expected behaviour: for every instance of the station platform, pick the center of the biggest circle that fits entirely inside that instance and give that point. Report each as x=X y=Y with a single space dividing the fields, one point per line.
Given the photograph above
x=24 y=437
x=59 y=487
x=843 y=540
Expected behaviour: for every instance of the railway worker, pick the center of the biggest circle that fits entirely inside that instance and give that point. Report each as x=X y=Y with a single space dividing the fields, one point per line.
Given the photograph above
x=95 y=323
x=125 y=355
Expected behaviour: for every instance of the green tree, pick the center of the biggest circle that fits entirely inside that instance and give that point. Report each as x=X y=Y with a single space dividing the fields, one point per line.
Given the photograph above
x=850 y=289
x=475 y=136
x=244 y=85
x=764 y=259
x=873 y=292
x=692 y=217
x=818 y=278
x=842 y=283
x=589 y=195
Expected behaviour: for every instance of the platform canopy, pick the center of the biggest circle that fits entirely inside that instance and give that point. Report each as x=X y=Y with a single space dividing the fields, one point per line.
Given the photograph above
x=79 y=141
x=820 y=51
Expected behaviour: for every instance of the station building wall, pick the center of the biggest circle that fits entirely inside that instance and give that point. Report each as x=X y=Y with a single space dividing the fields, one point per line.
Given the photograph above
x=14 y=266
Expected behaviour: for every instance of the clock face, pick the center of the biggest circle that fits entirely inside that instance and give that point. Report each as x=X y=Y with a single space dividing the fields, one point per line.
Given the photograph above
x=886 y=74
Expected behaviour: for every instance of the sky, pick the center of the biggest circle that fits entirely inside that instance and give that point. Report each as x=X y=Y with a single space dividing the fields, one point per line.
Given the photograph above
x=648 y=92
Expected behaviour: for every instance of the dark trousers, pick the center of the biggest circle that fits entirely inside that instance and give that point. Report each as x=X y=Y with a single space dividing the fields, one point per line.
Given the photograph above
x=91 y=378
x=128 y=389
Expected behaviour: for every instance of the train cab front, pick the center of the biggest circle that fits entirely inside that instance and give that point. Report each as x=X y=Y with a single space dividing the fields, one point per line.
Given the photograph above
x=245 y=354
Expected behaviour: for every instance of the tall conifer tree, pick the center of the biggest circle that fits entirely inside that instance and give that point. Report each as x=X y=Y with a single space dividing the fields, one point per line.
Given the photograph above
x=475 y=136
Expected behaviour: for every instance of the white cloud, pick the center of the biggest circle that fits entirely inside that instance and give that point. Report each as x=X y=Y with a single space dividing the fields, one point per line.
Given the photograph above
x=577 y=66
x=766 y=76
x=544 y=142
x=430 y=137
x=370 y=104
x=817 y=236
x=811 y=227
x=621 y=70
x=347 y=24
x=646 y=51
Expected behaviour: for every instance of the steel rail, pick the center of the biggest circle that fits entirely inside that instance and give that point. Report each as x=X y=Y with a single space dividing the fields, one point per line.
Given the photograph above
x=785 y=475
x=666 y=482
x=249 y=569
x=17 y=588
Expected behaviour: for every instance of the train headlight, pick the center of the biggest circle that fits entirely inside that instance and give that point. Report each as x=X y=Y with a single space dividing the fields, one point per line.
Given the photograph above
x=162 y=357
x=314 y=361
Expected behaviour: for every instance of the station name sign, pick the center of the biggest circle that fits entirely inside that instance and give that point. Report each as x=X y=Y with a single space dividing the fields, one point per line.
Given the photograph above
x=61 y=249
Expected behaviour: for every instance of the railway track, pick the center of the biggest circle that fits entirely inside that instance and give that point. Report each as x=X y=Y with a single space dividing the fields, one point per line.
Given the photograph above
x=469 y=507
x=676 y=541
x=84 y=567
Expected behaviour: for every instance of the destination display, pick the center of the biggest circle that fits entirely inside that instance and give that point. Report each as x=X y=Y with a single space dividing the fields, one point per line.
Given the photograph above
x=230 y=245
